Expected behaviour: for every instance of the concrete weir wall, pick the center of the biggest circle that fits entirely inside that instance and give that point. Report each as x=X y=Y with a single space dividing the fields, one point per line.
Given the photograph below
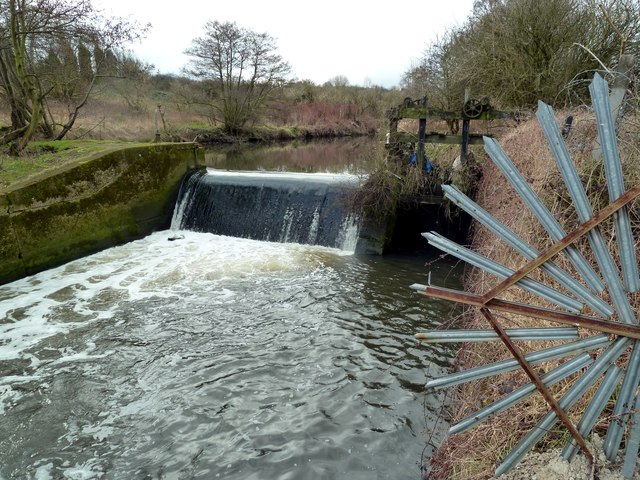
x=83 y=207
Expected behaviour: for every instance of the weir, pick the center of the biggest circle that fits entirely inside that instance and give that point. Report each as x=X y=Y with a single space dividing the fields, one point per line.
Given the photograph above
x=306 y=208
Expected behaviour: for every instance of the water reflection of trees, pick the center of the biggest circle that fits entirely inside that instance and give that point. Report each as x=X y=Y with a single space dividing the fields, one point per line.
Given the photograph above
x=353 y=155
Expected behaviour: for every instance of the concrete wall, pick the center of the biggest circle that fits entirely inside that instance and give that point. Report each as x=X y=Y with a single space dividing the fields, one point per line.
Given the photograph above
x=87 y=206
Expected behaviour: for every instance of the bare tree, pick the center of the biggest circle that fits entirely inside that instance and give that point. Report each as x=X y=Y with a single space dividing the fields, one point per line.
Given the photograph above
x=240 y=70
x=43 y=54
x=437 y=75
x=338 y=81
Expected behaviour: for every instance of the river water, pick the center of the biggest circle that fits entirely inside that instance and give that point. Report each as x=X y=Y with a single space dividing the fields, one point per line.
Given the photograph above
x=220 y=357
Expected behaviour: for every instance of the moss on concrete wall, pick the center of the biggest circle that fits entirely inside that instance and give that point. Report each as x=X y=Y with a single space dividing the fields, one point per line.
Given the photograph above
x=84 y=207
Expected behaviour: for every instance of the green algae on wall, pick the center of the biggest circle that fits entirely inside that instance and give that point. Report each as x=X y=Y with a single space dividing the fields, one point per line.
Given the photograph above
x=110 y=199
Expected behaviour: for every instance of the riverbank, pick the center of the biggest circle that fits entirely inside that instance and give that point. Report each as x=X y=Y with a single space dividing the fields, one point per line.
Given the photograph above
x=42 y=156
x=84 y=200
x=266 y=134
x=474 y=454
x=112 y=116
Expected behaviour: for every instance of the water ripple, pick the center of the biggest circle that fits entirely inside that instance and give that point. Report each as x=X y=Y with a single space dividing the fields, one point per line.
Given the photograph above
x=216 y=359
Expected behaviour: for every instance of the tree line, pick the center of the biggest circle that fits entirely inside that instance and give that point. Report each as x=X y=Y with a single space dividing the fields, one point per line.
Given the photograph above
x=53 y=49
x=57 y=52
x=519 y=51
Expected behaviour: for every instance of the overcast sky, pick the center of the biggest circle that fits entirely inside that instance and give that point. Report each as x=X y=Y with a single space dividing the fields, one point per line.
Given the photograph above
x=360 y=39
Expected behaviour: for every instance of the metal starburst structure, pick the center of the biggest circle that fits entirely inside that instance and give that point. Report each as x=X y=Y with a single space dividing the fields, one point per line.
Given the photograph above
x=614 y=329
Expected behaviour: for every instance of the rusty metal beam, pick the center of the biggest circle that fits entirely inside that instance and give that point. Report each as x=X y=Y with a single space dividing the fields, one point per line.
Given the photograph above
x=435 y=137
x=547 y=254
x=583 y=321
x=535 y=378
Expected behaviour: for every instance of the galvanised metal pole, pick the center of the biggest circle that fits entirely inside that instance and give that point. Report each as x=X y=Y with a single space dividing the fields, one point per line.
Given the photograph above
x=547 y=220
x=599 y=90
x=594 y=409
x=521 y=334
x=537 y=381
x=624 y=403
x=518 y=244
x=550 y=378
x=501 y=271
x=633 y=444
x=547 y=314
x=556 y=248
x=585 y=212
x=575 y=392
x=503 y=366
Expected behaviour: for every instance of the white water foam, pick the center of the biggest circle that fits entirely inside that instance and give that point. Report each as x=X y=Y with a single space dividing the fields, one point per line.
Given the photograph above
x=313 y=230
x=91 y=289
x=330 y=177
x=61 y=299
x=89 y=470
x=349 y=233
x=184 y=202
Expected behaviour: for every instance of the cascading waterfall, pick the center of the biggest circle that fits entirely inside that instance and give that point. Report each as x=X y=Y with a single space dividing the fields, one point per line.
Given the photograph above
x=307 y=208
x=184 y=198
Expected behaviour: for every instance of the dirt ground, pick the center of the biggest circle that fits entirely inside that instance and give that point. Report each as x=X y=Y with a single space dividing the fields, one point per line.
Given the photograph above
x=549 y=465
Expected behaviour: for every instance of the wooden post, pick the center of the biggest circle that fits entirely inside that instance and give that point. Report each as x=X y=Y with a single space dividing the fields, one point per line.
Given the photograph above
x=422 y=128
x=393 y=128
x=464 y=146
x=156 y=118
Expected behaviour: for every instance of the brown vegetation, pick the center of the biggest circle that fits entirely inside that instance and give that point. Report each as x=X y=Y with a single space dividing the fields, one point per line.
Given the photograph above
x=474 y=454
x=126 y=110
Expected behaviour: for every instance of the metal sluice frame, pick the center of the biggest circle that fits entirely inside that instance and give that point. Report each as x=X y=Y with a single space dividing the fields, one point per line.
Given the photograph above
x=613 y=337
